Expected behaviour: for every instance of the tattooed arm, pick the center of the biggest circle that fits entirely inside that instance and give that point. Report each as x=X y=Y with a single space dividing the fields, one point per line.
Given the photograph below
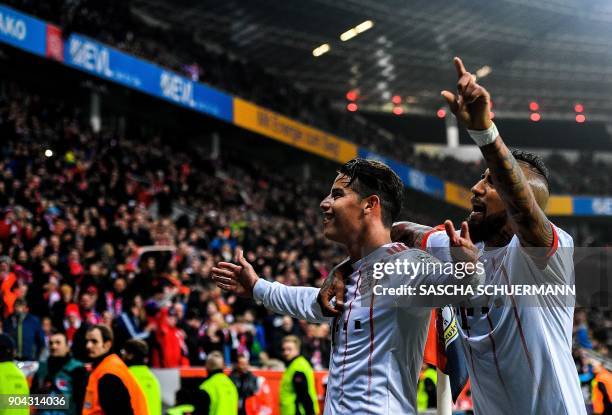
x=528 y=220
x=409 y=233
x=471 y=106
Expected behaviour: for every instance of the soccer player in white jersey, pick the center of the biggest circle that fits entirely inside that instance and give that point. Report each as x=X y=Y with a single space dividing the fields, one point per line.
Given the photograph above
x=378 y=340
x=518 y=348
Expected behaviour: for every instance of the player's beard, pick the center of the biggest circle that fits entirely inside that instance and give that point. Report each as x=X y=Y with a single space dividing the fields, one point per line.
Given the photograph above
x=487 y=228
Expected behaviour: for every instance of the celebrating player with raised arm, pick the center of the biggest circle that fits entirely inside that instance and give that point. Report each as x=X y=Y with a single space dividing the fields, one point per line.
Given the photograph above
x=378 y=340
x=518 y=348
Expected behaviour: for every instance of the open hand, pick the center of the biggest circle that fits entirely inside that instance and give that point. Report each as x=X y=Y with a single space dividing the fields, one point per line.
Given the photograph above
x=238 y=279
x=334 y=286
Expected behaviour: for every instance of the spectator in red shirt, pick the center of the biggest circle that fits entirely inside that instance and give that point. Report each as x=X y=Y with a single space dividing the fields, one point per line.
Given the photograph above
x=171 y=350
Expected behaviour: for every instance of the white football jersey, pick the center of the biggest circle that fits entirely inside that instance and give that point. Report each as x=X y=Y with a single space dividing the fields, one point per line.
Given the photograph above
x=518 y=347
x=378 y=342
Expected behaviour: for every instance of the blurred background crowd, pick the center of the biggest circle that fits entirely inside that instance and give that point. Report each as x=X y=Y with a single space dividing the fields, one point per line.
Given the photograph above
x=121 y=226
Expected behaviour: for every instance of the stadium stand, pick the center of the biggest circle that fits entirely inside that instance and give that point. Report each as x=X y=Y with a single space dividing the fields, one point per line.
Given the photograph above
x=122 y=226
x=131 y=33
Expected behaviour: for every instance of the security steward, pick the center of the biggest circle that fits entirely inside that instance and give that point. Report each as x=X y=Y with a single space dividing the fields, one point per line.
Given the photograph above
x=12 y=380
x=112 y=389
x=218 y=394
x=61 y=375
x=298 y=395
x=134 y=353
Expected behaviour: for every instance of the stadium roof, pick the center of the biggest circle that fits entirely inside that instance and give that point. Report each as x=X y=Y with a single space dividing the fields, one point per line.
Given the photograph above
x=554 y=52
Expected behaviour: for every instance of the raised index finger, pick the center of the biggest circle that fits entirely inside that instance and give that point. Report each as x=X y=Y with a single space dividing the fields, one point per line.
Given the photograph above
x=450 y=231
x=459 y=66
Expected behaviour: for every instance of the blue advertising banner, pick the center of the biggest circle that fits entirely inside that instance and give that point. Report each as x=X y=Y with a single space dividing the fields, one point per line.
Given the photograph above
x=22 y=31
x=106 y=62
x=592 y=206
x=412 y=178
x=38 y=37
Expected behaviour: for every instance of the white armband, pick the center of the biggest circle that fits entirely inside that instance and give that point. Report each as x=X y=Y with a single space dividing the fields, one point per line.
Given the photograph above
x=484 y=137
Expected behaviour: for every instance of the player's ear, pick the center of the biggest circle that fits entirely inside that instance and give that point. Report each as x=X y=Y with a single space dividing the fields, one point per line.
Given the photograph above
x=371 y=203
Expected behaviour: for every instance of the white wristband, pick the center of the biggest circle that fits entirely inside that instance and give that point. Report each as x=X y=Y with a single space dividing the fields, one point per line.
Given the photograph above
x=482 y=138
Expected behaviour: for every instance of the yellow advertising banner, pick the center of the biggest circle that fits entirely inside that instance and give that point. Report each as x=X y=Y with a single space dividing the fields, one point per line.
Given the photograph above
x=457 y=195
x=560 y=206
x=460 y=196
x=293 y=133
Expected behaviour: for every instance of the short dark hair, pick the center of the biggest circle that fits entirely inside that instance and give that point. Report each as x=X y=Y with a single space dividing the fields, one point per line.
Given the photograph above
x=56 y=332
x=371 y=177
x=535 y=162
x=137 y=348
x=105 y=332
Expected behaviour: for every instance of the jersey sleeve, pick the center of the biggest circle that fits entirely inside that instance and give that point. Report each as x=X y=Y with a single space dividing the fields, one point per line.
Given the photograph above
x=436 y=243
x=297 y=302
x=559 y=267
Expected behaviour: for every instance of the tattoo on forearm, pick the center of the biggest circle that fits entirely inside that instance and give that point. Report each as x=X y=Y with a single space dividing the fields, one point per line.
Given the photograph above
x=409 y=233
x=533 y=227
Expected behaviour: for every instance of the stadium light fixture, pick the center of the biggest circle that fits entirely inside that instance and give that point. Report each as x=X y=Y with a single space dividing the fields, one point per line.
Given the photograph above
x=362 y=27
x=324 y=48
x=484 y=71
x=348 y=35
x=354 y=31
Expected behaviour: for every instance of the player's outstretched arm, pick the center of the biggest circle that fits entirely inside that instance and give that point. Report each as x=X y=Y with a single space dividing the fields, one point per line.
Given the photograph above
x=297 y=302
x=471 y=106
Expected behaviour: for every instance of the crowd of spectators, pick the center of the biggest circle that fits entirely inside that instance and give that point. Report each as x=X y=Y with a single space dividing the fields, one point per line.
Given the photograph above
x=74 y=226
x=591 y=349
x=115 y=23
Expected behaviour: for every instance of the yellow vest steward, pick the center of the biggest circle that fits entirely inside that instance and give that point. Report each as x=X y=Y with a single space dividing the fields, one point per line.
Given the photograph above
x=150 y=387
x=13 y=382
x=288 y=396
x=223 y=394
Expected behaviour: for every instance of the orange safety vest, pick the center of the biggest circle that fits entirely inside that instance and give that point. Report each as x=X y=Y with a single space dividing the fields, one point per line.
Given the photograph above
x=261 y=402
x=597 y=397
x=113 y=365
x=8 y=296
